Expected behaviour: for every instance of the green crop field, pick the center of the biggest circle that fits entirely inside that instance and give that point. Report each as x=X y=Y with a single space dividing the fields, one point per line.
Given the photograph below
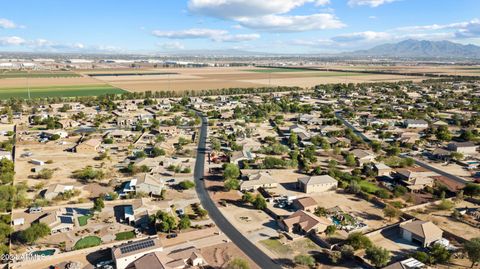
x=24 y=74
x=279 y=70
x=59 y=91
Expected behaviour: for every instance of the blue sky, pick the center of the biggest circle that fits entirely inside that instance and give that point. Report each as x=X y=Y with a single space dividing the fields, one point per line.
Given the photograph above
x=281 y=26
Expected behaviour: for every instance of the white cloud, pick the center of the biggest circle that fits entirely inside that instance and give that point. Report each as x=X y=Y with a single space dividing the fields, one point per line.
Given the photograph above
x=191 y=33
x=466 y=29
x=238 y=38
x=372 y=17
x=7 y=24
x=275 y=23
x=231 y=9
x=371 y=3
x=267 y=15
x=11 y=41
x=319 y=3
x=203 y=33
x=172 y=46
x=313 y=43
x=362 y=36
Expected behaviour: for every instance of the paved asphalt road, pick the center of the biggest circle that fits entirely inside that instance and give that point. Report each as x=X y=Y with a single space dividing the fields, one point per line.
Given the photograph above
x=417 y=162
x=260 y=258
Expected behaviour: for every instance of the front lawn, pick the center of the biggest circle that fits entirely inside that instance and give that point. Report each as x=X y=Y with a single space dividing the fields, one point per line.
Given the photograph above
x=276 y=246
x=88 y=242
x=83 y=220
x=125 y=235
x=368 y=187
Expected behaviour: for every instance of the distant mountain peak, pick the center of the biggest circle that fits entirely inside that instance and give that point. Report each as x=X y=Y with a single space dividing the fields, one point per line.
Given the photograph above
x=422 y=49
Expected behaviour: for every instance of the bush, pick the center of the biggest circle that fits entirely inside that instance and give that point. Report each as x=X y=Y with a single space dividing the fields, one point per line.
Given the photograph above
x=358 y=241
x=88 y=174
x=382 y=193
x=445 y=205
x=238 y=263
x=378 y=256
x=45 y=174
x=187 y=184
x=304 y=260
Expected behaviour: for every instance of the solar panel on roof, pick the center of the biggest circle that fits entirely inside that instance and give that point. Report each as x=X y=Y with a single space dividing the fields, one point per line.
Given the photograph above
x=137 y=246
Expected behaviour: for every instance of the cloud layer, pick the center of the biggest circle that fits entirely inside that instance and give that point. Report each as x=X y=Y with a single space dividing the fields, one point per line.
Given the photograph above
x=267 y=15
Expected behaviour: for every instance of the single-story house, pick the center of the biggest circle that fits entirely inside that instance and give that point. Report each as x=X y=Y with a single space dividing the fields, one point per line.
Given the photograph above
x=89 y=146
x=463 y=147
x=363 y=156
x=59 y=222
x=258 y=180
x=304 y=223
x=317 y=184
x=125 y=254
x=305 y=203
x=415 y=124
x=421 y=232
x=54 y=190
x=382 y=169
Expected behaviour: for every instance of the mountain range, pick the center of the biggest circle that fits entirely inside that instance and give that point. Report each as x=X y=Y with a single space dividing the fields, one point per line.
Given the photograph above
x=421 y=49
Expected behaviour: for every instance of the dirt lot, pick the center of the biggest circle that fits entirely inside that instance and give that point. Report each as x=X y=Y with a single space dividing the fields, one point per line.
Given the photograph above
x=448 y=70
x=220 y=255
x=367 y=212
x=445 y=222
x=63 y=163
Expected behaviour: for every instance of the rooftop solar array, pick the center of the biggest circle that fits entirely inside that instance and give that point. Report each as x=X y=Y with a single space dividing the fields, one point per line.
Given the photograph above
x=137 y=246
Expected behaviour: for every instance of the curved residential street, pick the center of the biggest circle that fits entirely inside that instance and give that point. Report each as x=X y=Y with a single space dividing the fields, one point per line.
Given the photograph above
x=255 y=254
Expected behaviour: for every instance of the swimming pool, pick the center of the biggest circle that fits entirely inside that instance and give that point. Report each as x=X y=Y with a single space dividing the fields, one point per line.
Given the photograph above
x=46 y=252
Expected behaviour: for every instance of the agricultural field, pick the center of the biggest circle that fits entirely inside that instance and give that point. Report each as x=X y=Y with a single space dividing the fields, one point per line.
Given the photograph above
x=430 y=69
x=59 y=91
x=183 y=79
x=37 y=74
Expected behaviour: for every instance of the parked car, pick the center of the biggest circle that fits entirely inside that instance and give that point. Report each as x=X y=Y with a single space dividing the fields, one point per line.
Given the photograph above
x=169 y=236
x=35 y=209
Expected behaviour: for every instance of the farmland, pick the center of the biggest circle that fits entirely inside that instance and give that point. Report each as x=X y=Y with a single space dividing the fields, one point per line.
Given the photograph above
x=59 y=91
x=34 y=74
x=183 y=79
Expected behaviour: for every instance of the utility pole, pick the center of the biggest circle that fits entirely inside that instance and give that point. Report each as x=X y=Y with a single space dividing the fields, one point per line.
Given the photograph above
x=28 y=84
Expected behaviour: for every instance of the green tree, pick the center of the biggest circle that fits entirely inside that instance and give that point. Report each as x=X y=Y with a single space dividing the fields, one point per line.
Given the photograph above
x=231 y=184
x=157 y=152
x=440 y=254
x=259 y=202
x=184 y=223
x=472 y=189
x=231 y=171
x=34 y=232
x=293 y=140
x=247 y=197
x=472 y=248
x=358 y=241
x=443 y=134
x=330 y=230
x=98 y=204
x=350 y=160
x=167 y=221
x=304 y=260
x=378 y=256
